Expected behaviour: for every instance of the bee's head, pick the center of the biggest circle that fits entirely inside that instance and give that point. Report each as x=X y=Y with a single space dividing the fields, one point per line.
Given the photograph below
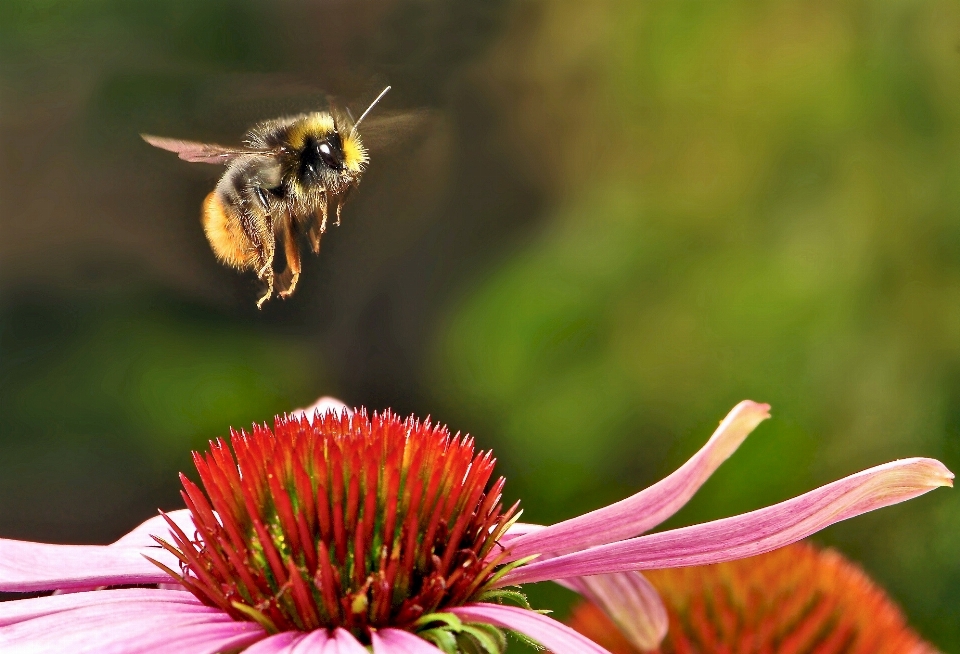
x=325 y=153
x=335 y=152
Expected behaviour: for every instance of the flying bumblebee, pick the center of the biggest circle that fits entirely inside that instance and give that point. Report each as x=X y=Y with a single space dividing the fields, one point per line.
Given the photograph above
x=287 y=178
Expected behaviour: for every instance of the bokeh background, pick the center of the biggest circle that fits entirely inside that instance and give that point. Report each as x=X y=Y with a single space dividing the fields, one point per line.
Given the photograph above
x=613 y=221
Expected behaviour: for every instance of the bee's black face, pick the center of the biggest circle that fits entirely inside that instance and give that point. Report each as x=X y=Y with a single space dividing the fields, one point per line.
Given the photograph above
x=322 y=160
x=320 y=156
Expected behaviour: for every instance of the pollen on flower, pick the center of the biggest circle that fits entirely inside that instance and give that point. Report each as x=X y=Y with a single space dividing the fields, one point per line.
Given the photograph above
x=351 y=521
x=795 y=599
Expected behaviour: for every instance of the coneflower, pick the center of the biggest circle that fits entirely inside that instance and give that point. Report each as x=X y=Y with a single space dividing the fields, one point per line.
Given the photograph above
x=339 y=531
x=798 y=599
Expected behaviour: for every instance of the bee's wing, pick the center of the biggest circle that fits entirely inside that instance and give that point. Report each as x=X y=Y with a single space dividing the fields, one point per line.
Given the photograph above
x=394 y=129
x=202 y=152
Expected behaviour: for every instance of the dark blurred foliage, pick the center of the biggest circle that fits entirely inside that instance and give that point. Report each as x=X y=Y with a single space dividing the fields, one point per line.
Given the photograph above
x=124 y=343
x=614 y=221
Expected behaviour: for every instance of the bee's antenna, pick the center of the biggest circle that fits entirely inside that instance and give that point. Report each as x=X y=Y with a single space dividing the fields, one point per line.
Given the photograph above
x=372 y=105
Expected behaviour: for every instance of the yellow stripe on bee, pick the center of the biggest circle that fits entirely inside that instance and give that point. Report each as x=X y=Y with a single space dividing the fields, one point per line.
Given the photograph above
x=318 y=125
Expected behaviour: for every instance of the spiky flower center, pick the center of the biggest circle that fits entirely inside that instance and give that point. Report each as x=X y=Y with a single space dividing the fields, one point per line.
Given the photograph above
x=795 y=599
x=350 y=521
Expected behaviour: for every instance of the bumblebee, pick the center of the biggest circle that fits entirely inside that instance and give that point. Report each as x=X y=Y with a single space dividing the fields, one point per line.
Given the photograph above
x=290 y=175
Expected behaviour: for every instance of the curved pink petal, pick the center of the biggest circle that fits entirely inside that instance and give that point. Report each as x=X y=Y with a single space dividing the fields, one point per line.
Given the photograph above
x=630 y=601
x=29 y=567
x=343 y=642
x=555 y=636
x=275 y=644
x=651 y=506
x=133 y=627
x=312 y=643
x=750 y=533
x=14 y=611
x=518 y=529
x=396 y=641
x=142 y=536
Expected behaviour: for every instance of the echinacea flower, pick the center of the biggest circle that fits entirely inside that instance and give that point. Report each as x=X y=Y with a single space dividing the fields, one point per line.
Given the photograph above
x=348 y=532
x=799 y=598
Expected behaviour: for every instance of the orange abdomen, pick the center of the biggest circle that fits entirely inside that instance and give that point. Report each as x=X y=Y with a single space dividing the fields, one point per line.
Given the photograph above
x=225 y=234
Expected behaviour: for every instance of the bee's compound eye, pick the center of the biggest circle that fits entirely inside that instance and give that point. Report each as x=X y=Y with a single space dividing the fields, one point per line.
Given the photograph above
x=331 y=154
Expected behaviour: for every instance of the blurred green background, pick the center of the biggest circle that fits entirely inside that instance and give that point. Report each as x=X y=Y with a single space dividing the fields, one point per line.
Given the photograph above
x=619 y=219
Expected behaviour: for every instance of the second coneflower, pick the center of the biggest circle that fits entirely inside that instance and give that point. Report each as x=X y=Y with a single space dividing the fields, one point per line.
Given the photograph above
x=348 y=531
x=796 y=599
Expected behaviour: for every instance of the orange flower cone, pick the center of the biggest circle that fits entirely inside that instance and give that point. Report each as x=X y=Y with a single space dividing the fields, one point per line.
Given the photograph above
x=796 y=600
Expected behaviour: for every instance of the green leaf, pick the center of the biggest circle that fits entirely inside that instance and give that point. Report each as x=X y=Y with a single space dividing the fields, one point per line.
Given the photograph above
x=494 y=633
x=499 y=595
x=448 y=619
x=526 y=640
x=488 y=643
x=442 y=638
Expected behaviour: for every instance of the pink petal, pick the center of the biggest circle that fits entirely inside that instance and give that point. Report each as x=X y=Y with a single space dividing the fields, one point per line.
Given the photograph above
x=133 y=627
x=396 y=641
x=28 y=567
x=518 y=529
x=651 y=506
x=142 y=537
x=156 y=526
x=343 y=642
x=751 y=533
x=295 y=642
x=631 y=602
x=276 y=644
x=555 y=636
x=312 y=643
x=15 y=611
x=324 y=405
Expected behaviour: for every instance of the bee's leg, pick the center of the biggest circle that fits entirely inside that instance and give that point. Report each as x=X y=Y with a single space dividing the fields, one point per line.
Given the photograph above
x=291 y=250
x=265 y=272
x=322 y=213
x=340 y=200
x=262 y=225
x=319 y=225
x=266 y=275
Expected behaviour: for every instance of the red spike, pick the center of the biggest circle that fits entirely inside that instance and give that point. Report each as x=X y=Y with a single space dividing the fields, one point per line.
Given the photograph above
x=273 y=557
x=225 y=511
x=359 y=554
x=324 y=518
x=202 y=513
x=353 y=494
x=304 y=493
x=282 y=504
x=336 y=497
x=327 y=583
x=307 y=537
x=369 y=515
x=392 y=486
x=211 y=589
x=302 y=599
